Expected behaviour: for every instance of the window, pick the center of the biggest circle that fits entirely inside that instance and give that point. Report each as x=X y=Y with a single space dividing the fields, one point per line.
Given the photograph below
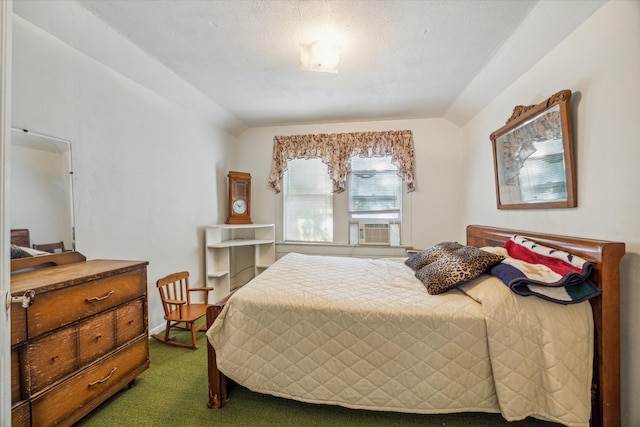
x=375 y=190
x=316 y=207
x=374 y=196
x=308 y=202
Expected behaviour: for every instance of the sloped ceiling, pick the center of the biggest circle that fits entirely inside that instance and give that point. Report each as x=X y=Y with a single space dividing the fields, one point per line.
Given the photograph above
x=238 y=61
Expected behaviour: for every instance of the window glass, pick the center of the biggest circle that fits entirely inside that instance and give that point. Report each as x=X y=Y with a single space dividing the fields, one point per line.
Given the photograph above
x=375 y=189
x=308 y=202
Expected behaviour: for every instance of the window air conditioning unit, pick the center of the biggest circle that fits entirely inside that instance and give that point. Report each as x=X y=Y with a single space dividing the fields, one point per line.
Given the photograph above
x=373 y=234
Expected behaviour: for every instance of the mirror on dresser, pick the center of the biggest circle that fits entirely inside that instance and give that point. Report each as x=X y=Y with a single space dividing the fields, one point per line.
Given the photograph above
x=41 y=187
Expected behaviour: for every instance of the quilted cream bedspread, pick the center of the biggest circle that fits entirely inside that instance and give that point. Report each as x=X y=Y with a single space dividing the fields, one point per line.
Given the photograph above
x=365 y=333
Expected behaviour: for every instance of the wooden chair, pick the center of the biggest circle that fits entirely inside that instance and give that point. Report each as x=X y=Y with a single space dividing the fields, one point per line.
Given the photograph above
x=179 y=312
x=49 y=247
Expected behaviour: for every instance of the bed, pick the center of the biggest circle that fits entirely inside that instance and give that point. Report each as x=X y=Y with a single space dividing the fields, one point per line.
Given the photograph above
x=418 y=362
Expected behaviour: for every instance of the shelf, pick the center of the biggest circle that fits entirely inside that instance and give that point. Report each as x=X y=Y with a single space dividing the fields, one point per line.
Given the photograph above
x=240 y=242
x=220 y=253
x=217 y=274
x=240 y=226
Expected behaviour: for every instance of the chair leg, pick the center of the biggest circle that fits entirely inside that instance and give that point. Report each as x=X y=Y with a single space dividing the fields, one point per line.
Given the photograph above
x=171 y=340
x=193 y=335
x=166 y=331
x=165 y=338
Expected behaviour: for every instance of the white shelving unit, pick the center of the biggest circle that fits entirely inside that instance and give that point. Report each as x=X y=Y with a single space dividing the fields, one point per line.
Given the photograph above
x=219 y=241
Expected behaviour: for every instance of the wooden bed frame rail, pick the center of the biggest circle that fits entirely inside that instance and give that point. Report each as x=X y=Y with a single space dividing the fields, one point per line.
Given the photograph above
x=217 y=381
x=604 y=255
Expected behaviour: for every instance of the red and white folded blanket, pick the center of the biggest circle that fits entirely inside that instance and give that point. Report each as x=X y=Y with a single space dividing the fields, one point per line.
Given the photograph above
x=533 y=269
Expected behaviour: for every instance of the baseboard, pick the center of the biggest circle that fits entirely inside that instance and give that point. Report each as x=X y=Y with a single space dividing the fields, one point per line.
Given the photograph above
x=156 y=330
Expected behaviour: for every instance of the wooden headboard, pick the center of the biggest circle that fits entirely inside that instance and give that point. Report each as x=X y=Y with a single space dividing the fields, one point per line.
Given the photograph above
x=20 y=237
x=605 y=257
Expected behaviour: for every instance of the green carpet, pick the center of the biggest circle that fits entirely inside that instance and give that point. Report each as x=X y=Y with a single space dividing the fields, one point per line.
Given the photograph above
x=173 y=392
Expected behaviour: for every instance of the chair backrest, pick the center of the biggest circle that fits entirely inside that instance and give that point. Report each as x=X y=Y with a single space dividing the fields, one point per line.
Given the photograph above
x=49 y=247
x=174 y=287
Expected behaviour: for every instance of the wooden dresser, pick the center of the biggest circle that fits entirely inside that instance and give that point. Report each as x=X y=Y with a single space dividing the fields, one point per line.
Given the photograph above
x=83 y=339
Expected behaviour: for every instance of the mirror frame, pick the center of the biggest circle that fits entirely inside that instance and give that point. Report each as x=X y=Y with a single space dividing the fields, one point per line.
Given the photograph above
x=523 y=114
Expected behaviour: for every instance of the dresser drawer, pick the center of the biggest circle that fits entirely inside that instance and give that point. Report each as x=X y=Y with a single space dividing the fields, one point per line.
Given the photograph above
x=52 y=357
x=96 y=337
x=130 y=321
x=21 y=415
x=60 y=307
x=104 y=377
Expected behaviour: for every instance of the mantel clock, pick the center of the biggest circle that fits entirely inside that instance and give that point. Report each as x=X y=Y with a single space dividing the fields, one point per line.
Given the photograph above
x=239 y=198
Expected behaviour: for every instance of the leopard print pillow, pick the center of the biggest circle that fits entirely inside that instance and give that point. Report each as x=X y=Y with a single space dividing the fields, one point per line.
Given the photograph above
x=456 y=267
x=432 y=254
x=18 y=252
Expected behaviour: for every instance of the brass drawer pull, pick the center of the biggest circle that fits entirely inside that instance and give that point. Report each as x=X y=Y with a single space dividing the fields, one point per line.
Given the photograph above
x=100 y=298
x=104 y=379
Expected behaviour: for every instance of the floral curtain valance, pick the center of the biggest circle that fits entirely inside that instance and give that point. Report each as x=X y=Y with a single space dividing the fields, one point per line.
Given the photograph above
x=336 y=150
x=517 y=145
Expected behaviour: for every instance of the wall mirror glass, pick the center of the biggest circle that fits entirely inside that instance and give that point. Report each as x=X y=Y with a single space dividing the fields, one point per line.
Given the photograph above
x=41 y=194
x=533 y=156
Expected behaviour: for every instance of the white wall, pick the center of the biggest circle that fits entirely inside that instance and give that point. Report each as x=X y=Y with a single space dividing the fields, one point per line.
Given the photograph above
x=600 y=63
x=147 y=174
x=40 y=194
x=435 y=205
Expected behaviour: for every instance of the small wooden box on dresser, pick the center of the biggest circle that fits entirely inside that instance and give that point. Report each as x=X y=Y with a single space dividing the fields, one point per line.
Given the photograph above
x=83 y=339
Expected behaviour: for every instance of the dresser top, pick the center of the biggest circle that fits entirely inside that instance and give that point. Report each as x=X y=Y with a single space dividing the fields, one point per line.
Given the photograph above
x=60 y=276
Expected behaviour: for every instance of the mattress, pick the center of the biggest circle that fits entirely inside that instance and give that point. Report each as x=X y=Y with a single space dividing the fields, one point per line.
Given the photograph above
x=364 y=333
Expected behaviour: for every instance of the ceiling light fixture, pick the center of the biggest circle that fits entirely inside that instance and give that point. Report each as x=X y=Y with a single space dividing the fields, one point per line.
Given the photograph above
x=320 y=56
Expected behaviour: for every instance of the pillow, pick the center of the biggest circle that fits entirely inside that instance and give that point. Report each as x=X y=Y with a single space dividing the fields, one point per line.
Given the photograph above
x=18 y=252
x=456 y=267
x=432 y=254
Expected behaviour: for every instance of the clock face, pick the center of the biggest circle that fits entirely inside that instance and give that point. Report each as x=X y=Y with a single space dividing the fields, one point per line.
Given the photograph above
x=239 y=206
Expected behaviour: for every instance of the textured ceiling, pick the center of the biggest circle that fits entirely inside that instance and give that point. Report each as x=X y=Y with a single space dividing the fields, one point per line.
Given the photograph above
x=399 y=59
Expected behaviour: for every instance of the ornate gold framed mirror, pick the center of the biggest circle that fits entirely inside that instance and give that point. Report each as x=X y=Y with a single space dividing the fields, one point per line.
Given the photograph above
x=533 y=156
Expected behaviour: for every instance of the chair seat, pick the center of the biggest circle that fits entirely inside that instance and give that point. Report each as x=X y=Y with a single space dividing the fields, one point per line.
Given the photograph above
x=190 y=313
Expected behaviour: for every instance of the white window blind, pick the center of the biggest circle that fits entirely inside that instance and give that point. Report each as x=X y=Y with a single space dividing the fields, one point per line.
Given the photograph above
x=542 y=178
x=375 y=189
x=308 y=202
